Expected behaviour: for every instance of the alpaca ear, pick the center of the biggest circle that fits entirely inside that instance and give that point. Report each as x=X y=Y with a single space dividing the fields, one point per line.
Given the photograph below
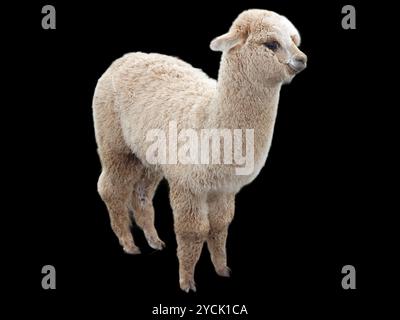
x=225 y=42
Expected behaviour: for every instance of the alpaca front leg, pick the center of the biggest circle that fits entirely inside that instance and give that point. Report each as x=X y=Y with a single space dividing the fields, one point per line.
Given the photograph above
x=189 y=250
x=221 y=208
x=191 y=228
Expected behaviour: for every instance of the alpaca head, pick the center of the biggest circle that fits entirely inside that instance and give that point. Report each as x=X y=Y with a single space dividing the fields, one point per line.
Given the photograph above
x=263 y=45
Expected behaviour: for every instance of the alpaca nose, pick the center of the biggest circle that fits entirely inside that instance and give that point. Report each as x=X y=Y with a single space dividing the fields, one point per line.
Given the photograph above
x=299 y=62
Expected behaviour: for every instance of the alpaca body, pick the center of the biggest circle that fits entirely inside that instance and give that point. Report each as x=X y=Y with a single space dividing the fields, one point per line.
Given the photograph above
x=141 y=92
x=146 y=99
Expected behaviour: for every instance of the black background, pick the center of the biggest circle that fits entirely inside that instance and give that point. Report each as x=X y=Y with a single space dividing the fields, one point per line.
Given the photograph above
x=318 y=204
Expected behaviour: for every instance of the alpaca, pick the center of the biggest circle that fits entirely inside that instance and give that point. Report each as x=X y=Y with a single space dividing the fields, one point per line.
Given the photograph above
x=141 y=91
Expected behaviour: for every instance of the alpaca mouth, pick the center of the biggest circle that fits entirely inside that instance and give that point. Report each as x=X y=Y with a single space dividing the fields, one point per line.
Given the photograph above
x=293 y=70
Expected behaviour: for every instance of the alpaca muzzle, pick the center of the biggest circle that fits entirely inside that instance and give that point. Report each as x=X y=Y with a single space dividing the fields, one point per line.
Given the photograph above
x=298 y=63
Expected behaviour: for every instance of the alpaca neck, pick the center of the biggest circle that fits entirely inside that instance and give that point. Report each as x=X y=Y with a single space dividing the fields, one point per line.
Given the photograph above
x=243 y=105
x=239 y=104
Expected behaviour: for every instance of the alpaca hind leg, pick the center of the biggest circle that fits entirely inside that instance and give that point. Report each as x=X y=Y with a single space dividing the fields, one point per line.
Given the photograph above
x=115 y=188
x=142 y=207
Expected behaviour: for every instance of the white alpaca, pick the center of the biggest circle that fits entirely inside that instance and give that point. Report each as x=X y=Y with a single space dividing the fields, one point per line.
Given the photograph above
x=141 y=92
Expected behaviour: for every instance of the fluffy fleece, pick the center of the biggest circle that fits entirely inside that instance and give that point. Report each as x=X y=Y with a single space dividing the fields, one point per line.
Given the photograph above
x=141 y=91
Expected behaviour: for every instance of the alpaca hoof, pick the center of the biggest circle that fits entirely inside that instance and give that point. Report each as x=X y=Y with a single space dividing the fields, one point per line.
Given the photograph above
x=187 y=285
x=157 y=244
x=224 y=272
x=132 y=250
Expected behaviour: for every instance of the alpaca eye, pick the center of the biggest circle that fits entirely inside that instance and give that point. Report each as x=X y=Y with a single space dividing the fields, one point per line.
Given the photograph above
x=272 y=45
